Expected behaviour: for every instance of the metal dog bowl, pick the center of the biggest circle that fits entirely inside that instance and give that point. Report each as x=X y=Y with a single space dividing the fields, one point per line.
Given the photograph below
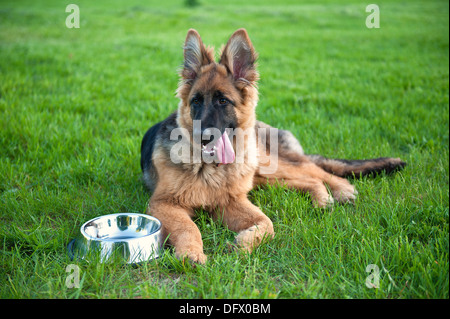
x=133 y=238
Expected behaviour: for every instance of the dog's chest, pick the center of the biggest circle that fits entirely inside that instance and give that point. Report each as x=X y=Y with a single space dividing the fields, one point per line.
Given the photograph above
x=210 y=186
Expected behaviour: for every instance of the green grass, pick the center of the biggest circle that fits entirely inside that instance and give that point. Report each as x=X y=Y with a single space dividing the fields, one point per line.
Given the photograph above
x=75 y=103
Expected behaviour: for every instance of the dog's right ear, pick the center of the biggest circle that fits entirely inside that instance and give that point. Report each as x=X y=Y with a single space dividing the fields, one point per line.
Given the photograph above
x=195 y=55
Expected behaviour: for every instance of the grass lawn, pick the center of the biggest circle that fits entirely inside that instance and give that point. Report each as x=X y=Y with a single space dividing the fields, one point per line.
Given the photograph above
x=75 y=103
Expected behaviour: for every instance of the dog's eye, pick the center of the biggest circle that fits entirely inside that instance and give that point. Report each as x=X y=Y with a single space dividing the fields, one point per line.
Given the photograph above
x=195 y=101
x=223 y=101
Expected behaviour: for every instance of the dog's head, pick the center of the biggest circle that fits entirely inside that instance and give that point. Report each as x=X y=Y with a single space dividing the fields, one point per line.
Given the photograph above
x=219 y=94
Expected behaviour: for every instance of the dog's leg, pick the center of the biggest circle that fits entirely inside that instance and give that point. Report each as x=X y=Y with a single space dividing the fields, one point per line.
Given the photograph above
x=177 y=224
x=252 y=226
x=308 y=177
x=343 y=191
x=306 y=184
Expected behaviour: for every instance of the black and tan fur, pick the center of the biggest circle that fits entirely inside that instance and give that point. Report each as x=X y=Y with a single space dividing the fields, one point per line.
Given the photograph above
x=224 y=95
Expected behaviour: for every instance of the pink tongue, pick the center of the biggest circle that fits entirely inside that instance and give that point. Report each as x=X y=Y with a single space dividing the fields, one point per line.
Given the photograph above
x=224 y=149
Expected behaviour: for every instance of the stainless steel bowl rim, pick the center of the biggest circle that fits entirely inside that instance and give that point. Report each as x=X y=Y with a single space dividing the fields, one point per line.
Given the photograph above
x=133 y=249
x=88 y=237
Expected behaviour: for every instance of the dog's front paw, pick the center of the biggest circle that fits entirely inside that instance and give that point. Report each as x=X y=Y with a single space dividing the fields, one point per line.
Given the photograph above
x=323 y=201
x=251 y=237
x=194 y=256
x=246 y=238
x=345 y=192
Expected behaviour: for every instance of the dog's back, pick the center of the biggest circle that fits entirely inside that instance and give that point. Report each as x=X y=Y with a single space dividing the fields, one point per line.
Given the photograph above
x=157 y=134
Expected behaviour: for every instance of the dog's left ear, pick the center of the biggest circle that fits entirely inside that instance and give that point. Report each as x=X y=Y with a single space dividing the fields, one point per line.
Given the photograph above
x=239 y=57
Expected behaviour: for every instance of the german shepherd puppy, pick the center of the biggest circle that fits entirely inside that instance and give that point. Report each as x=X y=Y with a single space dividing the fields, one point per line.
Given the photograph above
x=223 y=96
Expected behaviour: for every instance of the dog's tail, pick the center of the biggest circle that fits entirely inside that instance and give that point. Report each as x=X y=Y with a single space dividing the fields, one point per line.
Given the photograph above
x=357 y=168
